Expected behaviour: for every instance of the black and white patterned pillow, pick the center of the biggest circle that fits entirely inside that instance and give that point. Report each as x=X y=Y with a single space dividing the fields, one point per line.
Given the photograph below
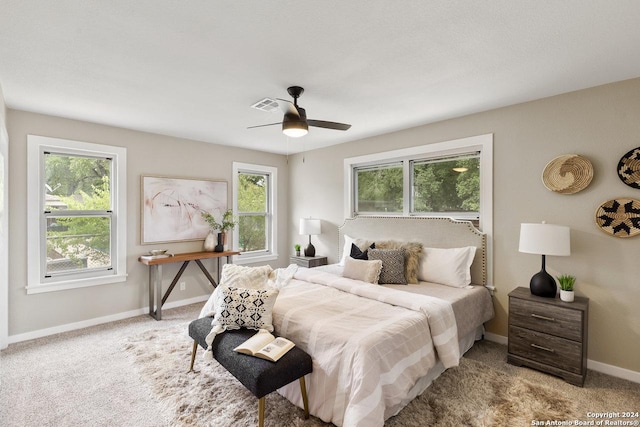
x=392 y=265
x=245 y=308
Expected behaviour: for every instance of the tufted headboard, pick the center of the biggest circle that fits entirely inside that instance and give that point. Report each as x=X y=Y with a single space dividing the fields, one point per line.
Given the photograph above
x=431 y=232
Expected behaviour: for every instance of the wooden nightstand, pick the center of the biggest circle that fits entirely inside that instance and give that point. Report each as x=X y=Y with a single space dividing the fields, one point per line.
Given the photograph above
x=549 y=335
x=309 y=261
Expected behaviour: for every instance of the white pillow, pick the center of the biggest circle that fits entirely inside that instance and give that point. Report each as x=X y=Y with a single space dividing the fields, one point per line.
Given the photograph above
x=359 y=269
x=346 y=249
x=245 y=277
x=451 y=267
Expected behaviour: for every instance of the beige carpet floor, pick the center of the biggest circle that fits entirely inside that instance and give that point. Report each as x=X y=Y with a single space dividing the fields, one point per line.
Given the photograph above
x=134 y=373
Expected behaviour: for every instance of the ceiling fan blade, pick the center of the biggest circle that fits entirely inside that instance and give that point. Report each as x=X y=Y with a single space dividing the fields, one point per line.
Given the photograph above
x=261 y=126
x=287 y=107
x=328 y=125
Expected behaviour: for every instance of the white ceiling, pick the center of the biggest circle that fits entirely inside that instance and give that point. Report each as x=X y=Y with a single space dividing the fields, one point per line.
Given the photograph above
x=192 y=68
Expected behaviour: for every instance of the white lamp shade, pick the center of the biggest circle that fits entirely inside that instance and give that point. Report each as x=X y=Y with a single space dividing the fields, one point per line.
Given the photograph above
x=309 y=226
x=545 y=239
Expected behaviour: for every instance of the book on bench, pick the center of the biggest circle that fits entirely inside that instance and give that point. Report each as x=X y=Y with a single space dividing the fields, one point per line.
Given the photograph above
x=265 y=346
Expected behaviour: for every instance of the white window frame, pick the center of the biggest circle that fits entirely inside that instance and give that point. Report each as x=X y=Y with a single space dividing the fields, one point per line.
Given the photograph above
x=36 y=219
x=481 y=143
x=272 y=217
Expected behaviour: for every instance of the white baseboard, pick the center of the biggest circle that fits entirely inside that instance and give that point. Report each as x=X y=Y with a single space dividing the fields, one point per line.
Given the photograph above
x=99 y=320
x=495 y=338
x=614 y=371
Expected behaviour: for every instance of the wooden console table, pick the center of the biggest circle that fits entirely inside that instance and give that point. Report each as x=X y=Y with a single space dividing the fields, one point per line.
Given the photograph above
x=155 y=275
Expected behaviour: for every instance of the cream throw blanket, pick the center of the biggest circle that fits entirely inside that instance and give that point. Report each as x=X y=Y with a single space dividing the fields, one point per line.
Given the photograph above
x=369 y=344
x=439 y=313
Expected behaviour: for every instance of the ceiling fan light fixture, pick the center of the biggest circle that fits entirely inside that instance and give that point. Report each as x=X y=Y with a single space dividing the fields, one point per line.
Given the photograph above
x=295 y=132
x=294 y=127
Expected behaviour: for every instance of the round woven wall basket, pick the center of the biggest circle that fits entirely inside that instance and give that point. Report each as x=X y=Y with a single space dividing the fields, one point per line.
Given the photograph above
x=568 y=174
x=619 y=217
x=629 y=168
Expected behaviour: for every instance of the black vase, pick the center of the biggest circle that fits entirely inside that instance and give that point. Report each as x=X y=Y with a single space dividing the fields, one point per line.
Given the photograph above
x=220 y=246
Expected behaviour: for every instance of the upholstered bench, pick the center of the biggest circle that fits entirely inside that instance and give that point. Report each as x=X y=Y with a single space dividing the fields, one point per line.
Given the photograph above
x=259 y=376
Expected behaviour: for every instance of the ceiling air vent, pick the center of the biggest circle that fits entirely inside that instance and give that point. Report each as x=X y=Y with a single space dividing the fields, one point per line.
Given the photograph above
x=267 y=104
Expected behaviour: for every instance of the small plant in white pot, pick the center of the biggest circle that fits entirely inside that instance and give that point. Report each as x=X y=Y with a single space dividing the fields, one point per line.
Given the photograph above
x=566 y=287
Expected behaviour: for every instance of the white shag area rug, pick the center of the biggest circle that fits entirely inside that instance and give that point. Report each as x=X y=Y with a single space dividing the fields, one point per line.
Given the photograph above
x=472 y=394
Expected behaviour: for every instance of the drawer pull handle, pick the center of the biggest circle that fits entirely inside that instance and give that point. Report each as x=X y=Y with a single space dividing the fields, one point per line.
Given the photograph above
x=539 y=347
x=537 y=316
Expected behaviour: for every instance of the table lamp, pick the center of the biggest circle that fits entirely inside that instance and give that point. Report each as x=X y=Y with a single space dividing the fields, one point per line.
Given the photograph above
x=544 y=239
x=310 y=227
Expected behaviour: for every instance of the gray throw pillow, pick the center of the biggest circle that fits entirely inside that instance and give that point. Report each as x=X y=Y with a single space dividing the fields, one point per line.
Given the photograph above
x=392 y=265
x=412 y=256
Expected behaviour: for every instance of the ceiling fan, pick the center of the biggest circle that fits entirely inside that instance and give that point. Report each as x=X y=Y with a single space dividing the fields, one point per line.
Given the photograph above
x=295 y=123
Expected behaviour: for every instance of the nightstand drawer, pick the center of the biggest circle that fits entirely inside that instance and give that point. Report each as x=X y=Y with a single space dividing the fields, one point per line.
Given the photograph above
x=549 y=319
x=553 y=351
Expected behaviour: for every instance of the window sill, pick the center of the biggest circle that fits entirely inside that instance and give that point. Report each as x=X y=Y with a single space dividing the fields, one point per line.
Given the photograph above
x=251 y=259
x=74 y=284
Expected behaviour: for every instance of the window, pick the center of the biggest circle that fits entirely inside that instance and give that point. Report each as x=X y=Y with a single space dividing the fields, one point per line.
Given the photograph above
x=255 y=206
x=451 y=178
x=378 y=189
x=76 y=214
x=447 y=186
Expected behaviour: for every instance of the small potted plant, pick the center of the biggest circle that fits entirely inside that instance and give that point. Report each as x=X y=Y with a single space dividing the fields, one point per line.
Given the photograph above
x=227 y=223
x=297 y=248
x=566 y=287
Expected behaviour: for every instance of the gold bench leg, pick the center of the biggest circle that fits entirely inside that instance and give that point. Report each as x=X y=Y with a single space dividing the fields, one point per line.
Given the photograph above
x=193 y=355
x=305 y=402
x=261 y=402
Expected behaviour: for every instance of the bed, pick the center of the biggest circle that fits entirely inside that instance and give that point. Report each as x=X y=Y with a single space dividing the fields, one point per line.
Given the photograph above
x=377 y=347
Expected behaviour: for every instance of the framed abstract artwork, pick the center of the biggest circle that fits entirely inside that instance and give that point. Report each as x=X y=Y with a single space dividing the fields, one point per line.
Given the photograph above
x=172 y=207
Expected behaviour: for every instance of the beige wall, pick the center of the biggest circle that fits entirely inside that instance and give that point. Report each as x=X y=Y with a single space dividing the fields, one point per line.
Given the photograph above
x=146 y=154
x=600 y=123
x=4 y=236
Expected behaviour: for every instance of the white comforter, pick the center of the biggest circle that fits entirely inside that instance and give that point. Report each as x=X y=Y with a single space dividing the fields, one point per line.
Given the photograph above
x=369 y=344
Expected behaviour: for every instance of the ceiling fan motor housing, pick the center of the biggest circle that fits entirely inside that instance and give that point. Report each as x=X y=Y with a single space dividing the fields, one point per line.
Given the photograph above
x=294 y=122
x=294 y=125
